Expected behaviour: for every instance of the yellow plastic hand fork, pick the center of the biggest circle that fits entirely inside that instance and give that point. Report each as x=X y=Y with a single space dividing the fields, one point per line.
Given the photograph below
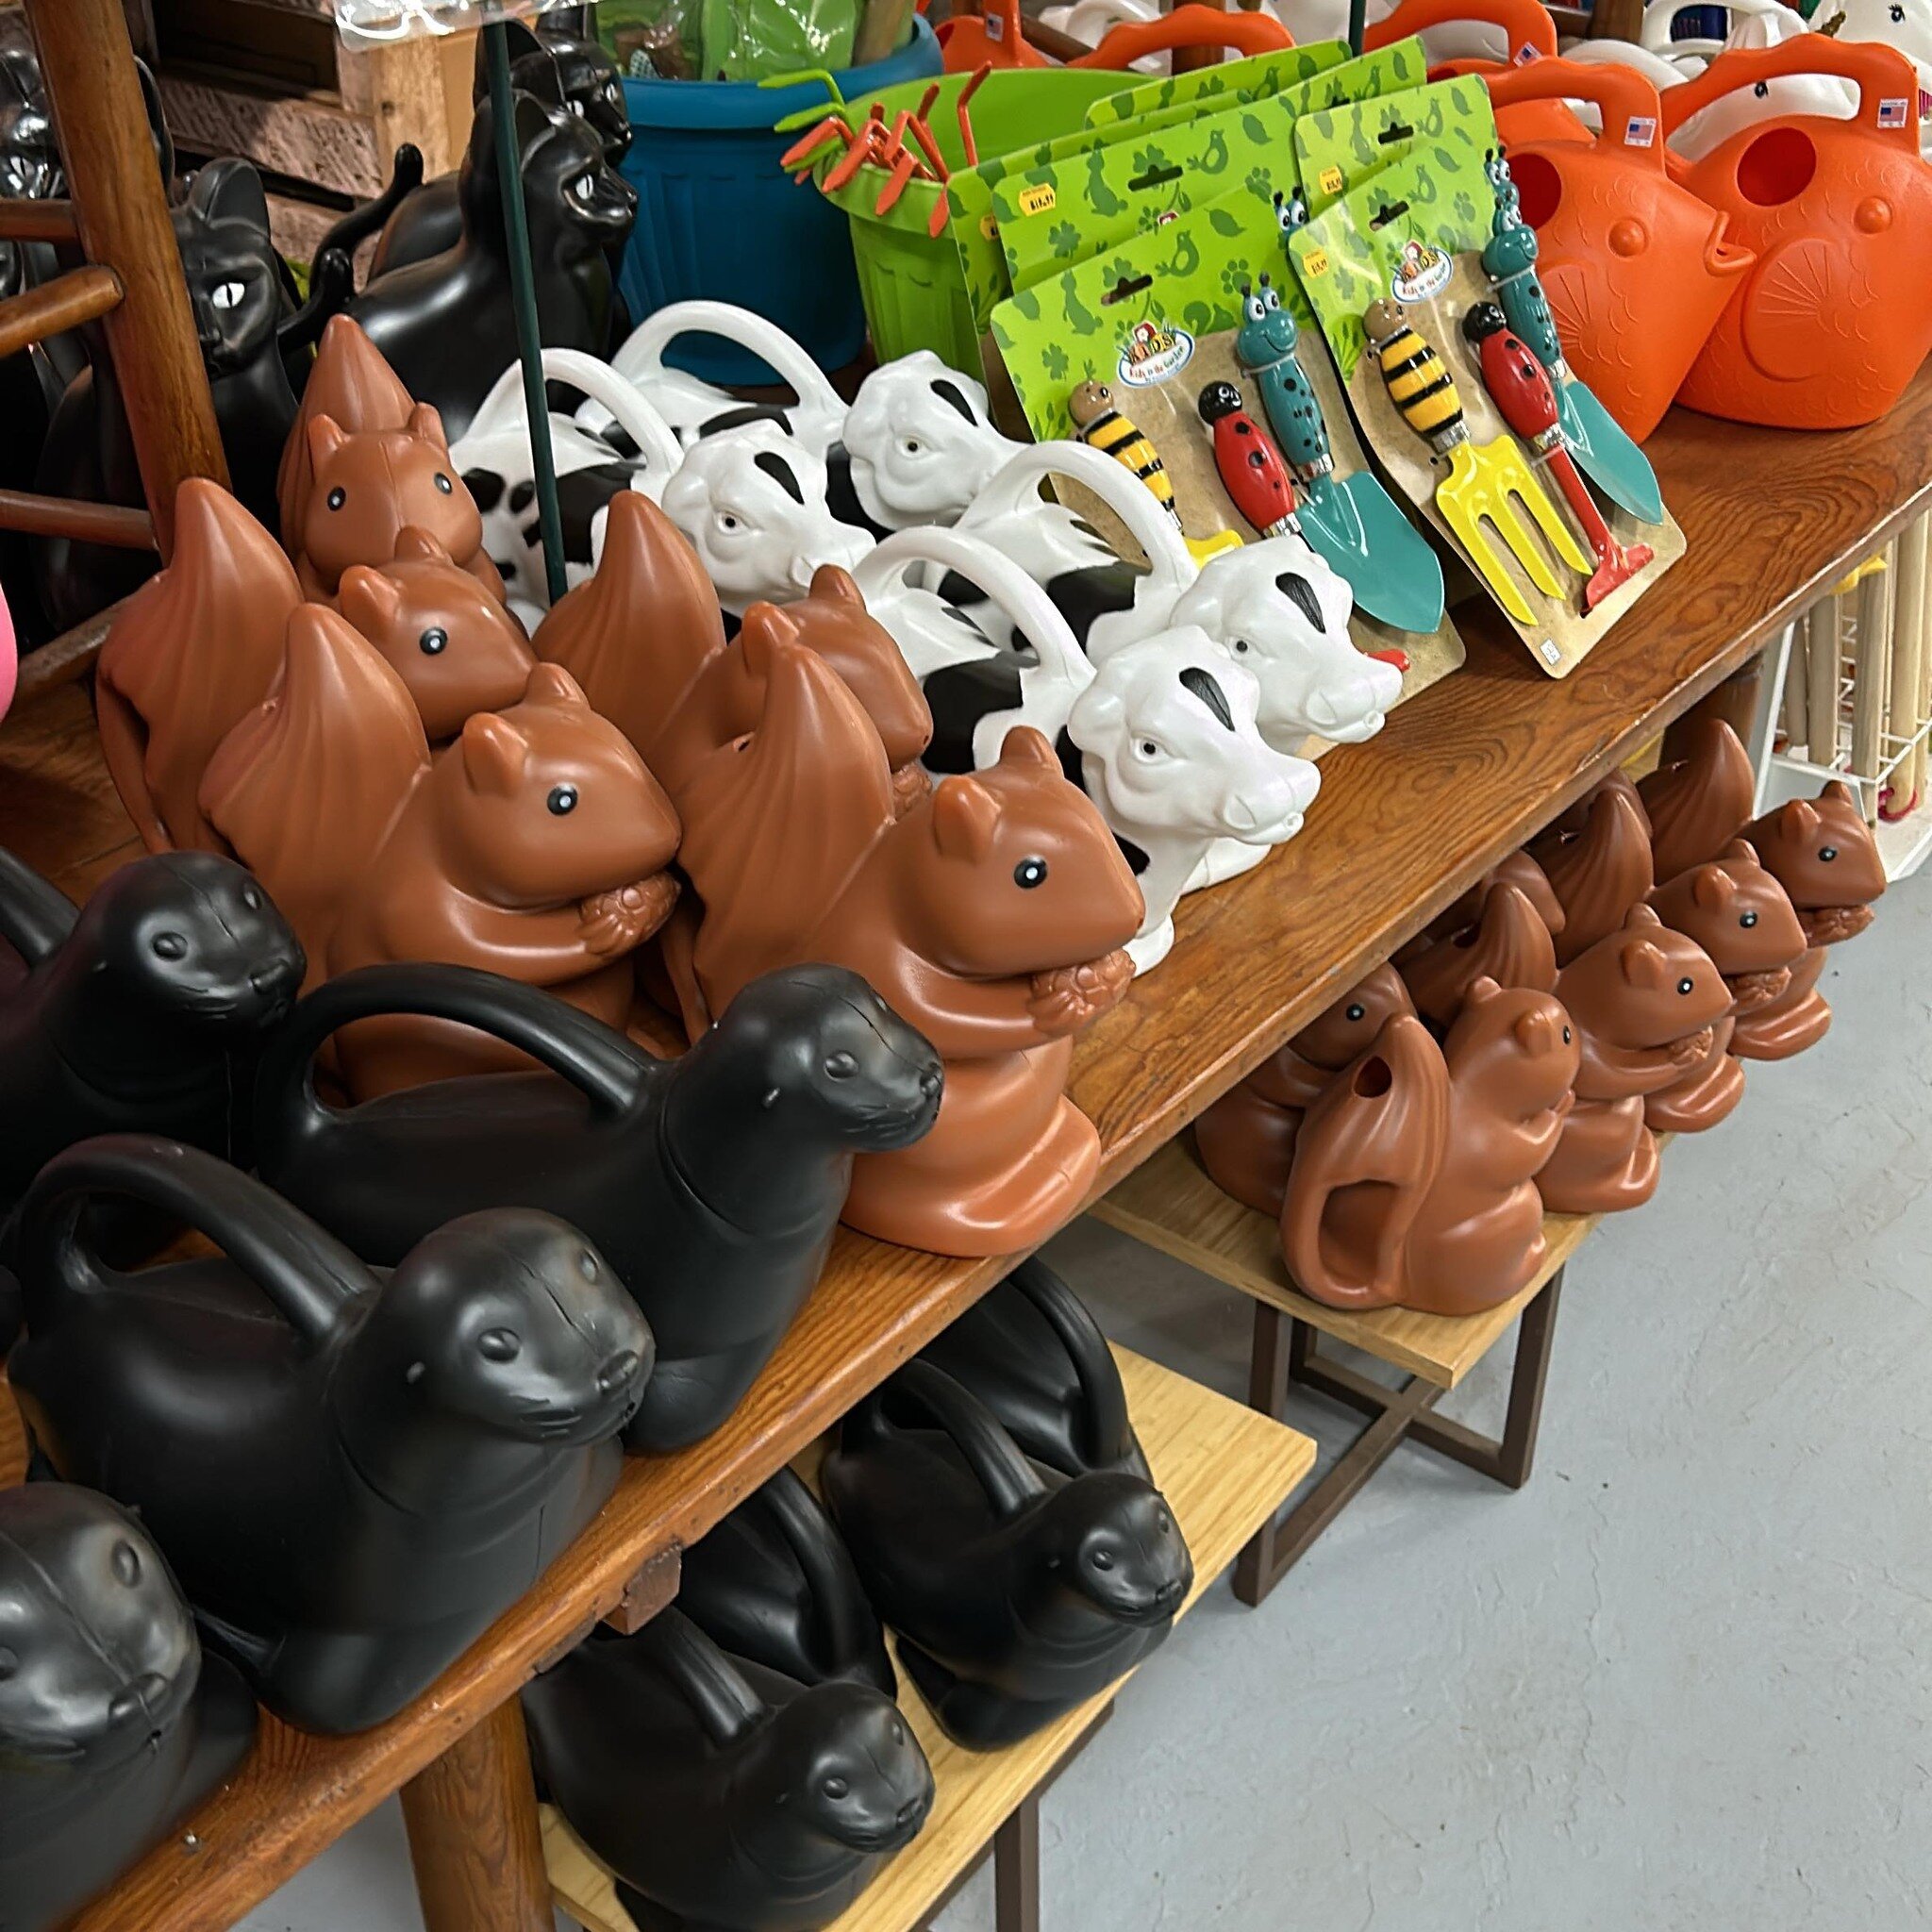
x=1481 y=481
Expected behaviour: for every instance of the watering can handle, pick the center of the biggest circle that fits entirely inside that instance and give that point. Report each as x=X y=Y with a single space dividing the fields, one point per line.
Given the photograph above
x=1626 y=99
x=1532 y=32
x=1879 y=73
x=1189 y=25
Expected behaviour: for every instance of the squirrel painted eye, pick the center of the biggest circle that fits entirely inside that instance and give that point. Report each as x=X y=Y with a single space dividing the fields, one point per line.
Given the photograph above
x=1356 y=1011
x=1747 y=919
x=1827 y=853
x=1683 y=986
x=250 y=897
x=1103 y=1559
x=1566 y=1036
x=125 y=1564
x=170 y=945
x=1029 y=873
x=563 y=799
x=434 y=640
x=336 y=497
x=499 y=1344
x=835 y=1788
x=841 y=1066
x=443 y=484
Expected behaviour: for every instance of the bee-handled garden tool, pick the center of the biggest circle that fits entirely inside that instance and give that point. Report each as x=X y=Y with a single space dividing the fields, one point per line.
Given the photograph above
x=1603 y=448
x=1486 y=481
x=1351 y=523
x=1519 y=387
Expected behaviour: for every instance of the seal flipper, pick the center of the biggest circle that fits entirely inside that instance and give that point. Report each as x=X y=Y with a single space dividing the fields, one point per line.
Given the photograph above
x=35 y=917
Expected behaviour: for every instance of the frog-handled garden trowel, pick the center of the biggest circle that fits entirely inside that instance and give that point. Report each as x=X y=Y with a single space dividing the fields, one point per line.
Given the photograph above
x=1602 y=447
x=1486 y=481
x=1351 y=523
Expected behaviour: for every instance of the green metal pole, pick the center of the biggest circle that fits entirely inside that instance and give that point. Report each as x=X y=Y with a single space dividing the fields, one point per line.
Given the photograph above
x=516 y=226
x=1358 y=24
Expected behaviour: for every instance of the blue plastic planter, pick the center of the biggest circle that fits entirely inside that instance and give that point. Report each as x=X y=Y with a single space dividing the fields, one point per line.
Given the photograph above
x=718 y=217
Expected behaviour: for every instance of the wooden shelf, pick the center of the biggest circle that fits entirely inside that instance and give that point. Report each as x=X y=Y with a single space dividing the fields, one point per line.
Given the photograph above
x=1172 y=1205
x=1223 y=1469
x=1405 y=823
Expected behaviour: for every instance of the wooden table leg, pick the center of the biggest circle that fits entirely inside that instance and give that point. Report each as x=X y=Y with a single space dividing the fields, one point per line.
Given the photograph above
x=474 y=1836
x=1016 y=1869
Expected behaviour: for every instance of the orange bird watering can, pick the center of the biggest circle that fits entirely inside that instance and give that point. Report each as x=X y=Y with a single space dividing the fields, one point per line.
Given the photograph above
x=1524 y=25
x=1832 y=322
x=1637 y=269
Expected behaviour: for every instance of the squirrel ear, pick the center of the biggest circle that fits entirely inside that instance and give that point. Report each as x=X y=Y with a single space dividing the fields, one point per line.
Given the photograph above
x=1740 y=849
x=1641 y=915
x=760 y=633
x=550 y=684
x=414 y=540
x=368 y=600
x=494 y=753
x=1798 y=820
x=1481 y=988
x=965 y=815
x=326 y=437
x=425 y=424
x=1534 y=1029
x=1024 y=746
x=830 y=583
x=1644 y=965
x=1712 y=887
x=1838 y=792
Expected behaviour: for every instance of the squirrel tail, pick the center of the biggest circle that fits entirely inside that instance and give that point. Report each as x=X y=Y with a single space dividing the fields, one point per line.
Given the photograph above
x=308 y=785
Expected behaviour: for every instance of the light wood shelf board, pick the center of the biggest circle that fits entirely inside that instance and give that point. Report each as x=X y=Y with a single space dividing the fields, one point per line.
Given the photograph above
x=1223 y=1469
x=1170 y=1203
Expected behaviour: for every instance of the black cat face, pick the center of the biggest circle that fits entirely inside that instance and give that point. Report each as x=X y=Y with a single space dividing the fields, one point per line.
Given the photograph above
x=578 y=203
x=838 y=1060
x=190 y=939
x=29 y=155
x=514 y=1320
x=860 y=1779
x=97 y=1654
x=234 y=275
x=1128 y=1558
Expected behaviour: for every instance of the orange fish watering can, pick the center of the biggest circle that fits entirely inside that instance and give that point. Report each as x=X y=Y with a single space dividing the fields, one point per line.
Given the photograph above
x=1636 y=268
x=1832 y=322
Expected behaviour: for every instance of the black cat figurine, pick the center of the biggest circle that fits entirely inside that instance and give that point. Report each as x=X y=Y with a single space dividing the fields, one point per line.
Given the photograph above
x=775 y=1584
x=415 y=219
x=141 y=1011
x=250 y=332
x=113 y=1726
x=1031 y=1352
x=1017 y=1593
x=713 y=1182
x=351 y=1475
x=725 y=1798
x=447 y=323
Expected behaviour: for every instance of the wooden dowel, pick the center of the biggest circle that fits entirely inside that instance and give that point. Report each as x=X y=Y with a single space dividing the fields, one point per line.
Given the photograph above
x=474 y=1835
x=84 y=523
x=86 y=64
x=1870 y=679
x=54 y=307
x=1907 y=655
x=1821 y=699
x=1797 y=675
x=37 y=221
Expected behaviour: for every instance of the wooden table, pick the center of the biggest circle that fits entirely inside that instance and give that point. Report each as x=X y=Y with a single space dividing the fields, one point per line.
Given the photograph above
x=1405 y=823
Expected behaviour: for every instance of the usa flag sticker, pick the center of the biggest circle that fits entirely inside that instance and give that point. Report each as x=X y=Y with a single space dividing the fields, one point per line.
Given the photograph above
x=1641 y=131
x=1894 y=111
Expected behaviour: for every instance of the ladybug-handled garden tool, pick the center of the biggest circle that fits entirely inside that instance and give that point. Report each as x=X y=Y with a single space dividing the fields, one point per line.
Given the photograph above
x=1603 y=448
x=1486 y=481
x=1519 y=387
x=1350 y=522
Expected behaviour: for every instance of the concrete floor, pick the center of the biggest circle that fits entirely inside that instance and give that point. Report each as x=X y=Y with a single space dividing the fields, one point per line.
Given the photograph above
x=1678 y=1682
